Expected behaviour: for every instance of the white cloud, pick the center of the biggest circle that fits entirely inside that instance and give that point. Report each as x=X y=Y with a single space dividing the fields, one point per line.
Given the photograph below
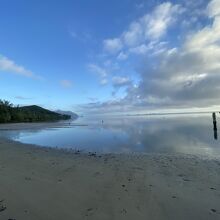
x=122 y=56
x=100 y=71
x=156 y=24
x=206 y=37
x=119 y=81
x=214 y=8
x=147 y=29
x=142 y=49
x=134 y=34
x=112 y=45
x=66 y=83
x=7 y=65
x=184 y=76
x=153 y=48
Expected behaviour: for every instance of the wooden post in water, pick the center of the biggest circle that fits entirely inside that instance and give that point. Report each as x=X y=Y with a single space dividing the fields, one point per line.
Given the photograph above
x=215 y=126
x=214 y=117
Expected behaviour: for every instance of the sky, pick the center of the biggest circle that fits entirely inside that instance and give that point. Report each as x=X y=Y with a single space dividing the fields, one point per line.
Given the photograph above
x=127 y=56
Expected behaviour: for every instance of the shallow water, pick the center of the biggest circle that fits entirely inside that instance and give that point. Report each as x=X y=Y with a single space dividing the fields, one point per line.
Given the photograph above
x=191 y=134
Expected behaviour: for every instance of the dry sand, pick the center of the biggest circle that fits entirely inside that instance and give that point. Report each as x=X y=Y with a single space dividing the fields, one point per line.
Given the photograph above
x=47 y=184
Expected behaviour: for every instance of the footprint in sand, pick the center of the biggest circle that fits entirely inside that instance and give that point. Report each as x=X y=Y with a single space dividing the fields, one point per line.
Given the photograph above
x=90 y=211
x=214 y=210
x=2 y=208
x=124 y=211
x=212 y=188
x=186 y=180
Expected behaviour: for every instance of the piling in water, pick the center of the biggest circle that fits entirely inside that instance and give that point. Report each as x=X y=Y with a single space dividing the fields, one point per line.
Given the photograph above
x=215 y=125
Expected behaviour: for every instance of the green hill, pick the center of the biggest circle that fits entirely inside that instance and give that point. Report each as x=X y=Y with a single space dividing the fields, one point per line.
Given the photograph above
x=33 y=113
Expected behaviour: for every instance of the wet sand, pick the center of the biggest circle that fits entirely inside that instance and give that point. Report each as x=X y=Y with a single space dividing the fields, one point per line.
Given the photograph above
x=48 y=184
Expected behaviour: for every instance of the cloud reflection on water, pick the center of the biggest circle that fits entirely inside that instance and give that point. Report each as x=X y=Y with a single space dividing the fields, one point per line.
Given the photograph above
x=159 y=134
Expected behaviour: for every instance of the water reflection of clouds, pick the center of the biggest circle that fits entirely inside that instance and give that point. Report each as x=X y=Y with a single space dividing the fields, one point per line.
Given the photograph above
x=17 y=134
x=183 y=134
x=172 y=134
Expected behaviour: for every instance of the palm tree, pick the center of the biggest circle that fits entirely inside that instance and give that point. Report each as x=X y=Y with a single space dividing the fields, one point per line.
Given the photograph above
x=6 y=103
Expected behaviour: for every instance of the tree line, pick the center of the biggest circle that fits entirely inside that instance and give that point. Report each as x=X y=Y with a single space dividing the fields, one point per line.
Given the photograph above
x=10 y=113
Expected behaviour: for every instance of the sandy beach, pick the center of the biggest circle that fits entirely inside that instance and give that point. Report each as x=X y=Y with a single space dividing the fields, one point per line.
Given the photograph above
x=43 y=184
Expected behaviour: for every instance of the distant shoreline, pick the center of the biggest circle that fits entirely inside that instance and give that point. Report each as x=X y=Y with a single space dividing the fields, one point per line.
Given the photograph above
x=172 y=113
x=38 y=125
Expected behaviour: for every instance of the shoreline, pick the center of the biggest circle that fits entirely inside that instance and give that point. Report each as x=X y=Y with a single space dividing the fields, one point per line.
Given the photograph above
x=34 y=125
x=75 y=151
x=43 y=183
x=38 y=125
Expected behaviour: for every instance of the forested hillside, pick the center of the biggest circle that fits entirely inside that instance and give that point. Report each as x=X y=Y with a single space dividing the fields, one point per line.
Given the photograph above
x=10 y=113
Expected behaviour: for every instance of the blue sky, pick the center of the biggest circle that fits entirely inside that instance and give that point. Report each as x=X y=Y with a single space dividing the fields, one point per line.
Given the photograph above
x=110 y=56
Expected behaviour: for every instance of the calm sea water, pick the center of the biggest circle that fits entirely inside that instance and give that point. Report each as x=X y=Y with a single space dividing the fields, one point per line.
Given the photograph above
x=191 y=134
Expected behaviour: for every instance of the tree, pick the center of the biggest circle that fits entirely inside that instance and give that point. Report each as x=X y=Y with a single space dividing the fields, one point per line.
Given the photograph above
x=11 y=113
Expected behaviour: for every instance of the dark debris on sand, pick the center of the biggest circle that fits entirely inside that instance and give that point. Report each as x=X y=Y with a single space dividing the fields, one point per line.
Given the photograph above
x=2 y=208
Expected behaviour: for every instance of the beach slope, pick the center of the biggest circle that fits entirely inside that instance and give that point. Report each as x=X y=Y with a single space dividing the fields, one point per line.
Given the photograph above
x=45 y=184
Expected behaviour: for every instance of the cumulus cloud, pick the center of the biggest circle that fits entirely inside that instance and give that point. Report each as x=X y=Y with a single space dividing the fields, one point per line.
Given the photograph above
x=157 y=23
x=147 y=29
x=66 y=83
x=214 y=8
x=185 y=75
x=7 y=65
